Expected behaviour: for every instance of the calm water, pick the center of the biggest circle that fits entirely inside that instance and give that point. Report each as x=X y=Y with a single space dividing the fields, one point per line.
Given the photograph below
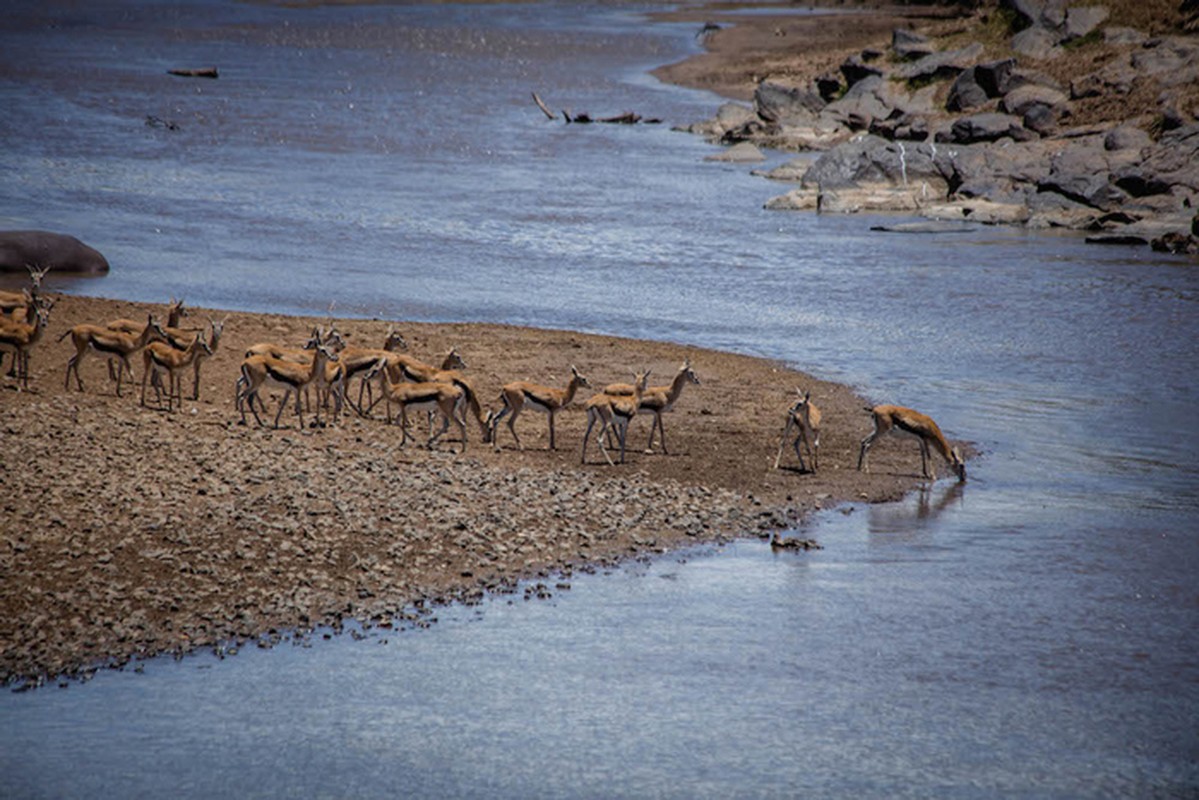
x=1030 y=634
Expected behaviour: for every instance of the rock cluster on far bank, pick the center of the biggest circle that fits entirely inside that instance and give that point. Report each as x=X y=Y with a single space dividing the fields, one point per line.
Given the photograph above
x=1067 y=122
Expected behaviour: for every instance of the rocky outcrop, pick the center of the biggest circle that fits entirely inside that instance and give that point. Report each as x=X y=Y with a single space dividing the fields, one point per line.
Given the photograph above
x=996 y=142
x=57 y=252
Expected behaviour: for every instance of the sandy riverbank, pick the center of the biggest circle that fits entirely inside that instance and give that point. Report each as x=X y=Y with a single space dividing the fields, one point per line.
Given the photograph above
x=130 y=531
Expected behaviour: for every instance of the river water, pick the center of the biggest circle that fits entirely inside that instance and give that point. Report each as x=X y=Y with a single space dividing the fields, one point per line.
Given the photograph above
x=1032 y=633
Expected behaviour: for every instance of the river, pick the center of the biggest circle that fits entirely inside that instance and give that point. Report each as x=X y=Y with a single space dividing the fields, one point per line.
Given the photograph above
x=1031 y=633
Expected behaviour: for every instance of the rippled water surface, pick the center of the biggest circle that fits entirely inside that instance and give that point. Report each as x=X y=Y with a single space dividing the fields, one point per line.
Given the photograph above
x=1029 y=634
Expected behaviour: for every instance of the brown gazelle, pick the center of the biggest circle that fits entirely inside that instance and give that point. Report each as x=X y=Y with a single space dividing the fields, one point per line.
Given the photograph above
x=214 y=341
x=549 y=401
x=431 y=396
x=804 y=418
x=450 y=371
x=659 y=399
x=109 y=343
x=22 y=306
x=19 y=337
x=171 y=333
x=292 y=378
x=614 y=411
x=160 y=358
x=906 y=422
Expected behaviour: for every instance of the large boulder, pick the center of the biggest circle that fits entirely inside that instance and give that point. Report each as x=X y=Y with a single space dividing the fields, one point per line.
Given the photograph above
x=55 y=251
x=1036 y=43
x=907 y=45
x=987 y=127
x=873 y=98
x=1082 y=20
x=1170 y=168
x=786 y=103
x=966 y=92
x=1018 y=101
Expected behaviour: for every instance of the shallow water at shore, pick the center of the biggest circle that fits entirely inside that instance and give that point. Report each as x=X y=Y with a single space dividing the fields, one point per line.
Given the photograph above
x=1030 y=633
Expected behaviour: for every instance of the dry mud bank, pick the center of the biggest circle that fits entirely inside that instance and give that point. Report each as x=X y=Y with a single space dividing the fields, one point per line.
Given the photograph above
x=130 y=531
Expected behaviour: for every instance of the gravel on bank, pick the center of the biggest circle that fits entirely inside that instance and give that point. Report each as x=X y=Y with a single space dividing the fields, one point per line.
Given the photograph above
x=130 y=531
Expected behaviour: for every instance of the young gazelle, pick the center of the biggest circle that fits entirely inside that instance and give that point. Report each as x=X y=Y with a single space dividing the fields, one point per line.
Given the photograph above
x=160 y=358
x=614 y=411
x=259 y=371
x=518 y=394
x=906 y=422
x=19 y=337
x=659 y=399
x=109 y=343
x=804 y=417
x=431 y=396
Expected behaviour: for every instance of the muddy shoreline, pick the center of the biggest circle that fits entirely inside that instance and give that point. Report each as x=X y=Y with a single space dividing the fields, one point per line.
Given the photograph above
x=131 y=532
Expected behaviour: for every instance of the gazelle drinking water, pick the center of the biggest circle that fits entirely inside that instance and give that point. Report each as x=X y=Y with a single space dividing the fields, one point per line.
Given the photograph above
x=906 y=422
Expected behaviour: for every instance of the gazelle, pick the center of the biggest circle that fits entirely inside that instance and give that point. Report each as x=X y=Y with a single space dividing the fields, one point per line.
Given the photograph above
x=401 y=367
x=161 y=357
x=171 y=333
x=19 y=337
x=906 y=422
x=659 y=399
x=516 y=395
x=22 y=305
x=357 y=361
x=175 y=314
x=214 y=341
x=303 y=357
x=430 y=396
x=109 y=343
x=450 y=371
x=804 y=417
x=259 y=371
x=614 y=411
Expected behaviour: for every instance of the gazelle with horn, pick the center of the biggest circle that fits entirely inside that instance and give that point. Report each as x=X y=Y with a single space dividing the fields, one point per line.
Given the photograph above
x=18 y=338
x=615 y=411
x=804 y=418
x=160 y=358
x=108 y=343
x=22 y=306
x=906 y=422
x=273 y=373
x=659 y=399
x=515 y=396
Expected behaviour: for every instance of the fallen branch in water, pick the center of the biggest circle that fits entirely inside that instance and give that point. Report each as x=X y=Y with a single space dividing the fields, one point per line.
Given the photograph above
x=542 y=106
x=201 y=72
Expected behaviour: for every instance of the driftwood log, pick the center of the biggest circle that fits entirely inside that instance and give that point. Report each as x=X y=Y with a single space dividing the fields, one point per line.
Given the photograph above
x=542 y=106
x=627 y=118
x=201 y=72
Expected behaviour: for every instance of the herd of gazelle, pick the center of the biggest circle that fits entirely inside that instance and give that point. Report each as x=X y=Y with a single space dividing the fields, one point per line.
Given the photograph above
x=327 y=365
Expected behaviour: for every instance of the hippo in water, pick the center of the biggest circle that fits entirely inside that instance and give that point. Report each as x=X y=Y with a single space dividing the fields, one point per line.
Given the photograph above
x=56 y=251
